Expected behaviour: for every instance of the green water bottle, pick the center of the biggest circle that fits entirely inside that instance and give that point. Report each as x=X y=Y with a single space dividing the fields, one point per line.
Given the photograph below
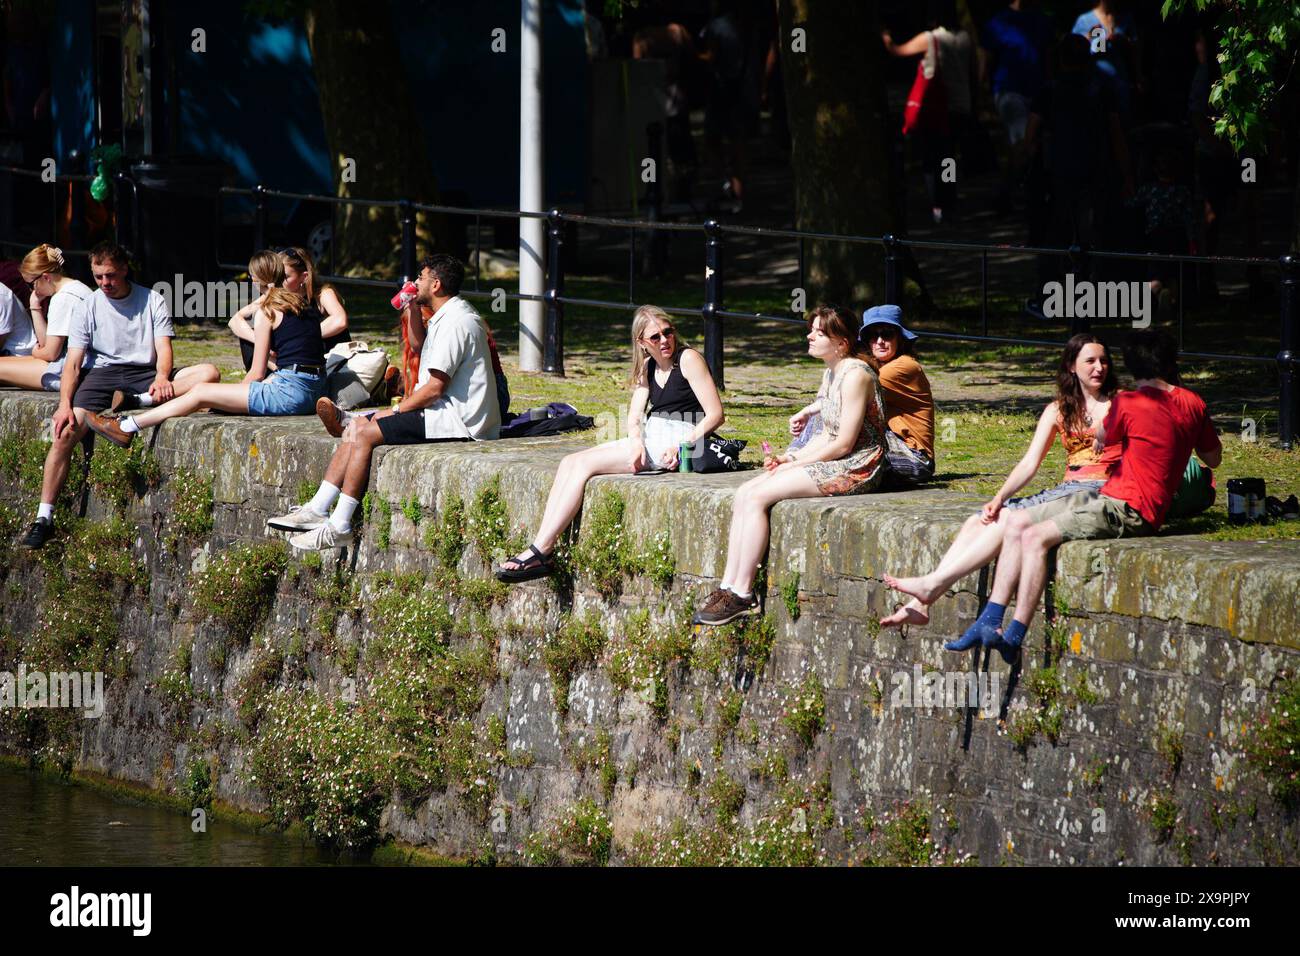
x=684 y=456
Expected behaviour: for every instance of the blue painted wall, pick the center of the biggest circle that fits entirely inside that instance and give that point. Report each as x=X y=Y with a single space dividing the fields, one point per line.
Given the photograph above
x=251 y=101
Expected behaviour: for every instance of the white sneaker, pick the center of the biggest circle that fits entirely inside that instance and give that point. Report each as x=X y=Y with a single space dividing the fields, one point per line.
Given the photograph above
x=322 y=538
x=299 y=518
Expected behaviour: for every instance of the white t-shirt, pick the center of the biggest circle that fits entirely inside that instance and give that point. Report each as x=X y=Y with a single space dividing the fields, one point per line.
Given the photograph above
x=954 y=68
x=17 y=337
x=456 y=344
x=59 y=311
x=120 y=331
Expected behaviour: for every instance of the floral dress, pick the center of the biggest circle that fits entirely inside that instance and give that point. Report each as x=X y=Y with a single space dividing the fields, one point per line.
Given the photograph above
x=862 y=469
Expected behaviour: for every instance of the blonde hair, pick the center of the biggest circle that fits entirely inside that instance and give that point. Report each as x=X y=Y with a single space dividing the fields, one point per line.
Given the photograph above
x=642 y=317
x=44 y=258
x=267 y=267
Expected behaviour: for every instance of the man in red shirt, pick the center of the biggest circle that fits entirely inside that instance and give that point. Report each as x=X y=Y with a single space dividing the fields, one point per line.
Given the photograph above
x=1157 y=426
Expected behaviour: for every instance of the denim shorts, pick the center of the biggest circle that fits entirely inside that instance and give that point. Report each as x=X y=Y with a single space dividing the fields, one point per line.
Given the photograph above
x=1063 y=490
x=285 y=393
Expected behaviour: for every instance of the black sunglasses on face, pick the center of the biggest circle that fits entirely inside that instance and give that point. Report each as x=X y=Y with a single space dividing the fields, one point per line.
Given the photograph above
x=661 y=335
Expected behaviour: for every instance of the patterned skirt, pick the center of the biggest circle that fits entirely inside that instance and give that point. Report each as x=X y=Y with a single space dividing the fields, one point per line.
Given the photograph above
x=857 y=474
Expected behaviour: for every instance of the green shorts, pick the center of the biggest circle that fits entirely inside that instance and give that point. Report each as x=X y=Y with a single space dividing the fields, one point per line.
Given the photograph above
x=1088 y=514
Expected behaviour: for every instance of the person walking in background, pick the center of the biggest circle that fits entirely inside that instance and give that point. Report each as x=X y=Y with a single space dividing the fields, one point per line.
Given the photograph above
x=722 y=47
x=1014 y=46
x=946 y=48
x=1112 y=38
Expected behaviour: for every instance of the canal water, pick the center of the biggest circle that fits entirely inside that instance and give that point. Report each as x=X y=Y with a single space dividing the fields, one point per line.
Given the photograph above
x=44 y=822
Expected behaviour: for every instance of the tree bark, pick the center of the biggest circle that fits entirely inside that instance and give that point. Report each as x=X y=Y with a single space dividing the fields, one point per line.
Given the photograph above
x=370 y=117
x=835 y=96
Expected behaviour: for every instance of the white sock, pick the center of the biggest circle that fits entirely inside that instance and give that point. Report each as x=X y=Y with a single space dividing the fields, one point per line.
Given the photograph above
x=724 y=586
x=45 y=512
x=744 y=597
x=128 y=425
x=145 y=399
x=325 y=497
x=341 y=519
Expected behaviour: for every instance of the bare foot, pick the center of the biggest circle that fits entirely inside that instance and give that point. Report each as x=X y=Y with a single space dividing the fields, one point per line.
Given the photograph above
x=911 y=613
x=916 y=587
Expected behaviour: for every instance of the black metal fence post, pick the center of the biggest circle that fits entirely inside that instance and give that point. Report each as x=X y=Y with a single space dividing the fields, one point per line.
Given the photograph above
x=1079 y=268
x=259 y=218
x=553 y=346
x=893 y=272
x=408 y=241
x=713 y=300
x=1289 y=354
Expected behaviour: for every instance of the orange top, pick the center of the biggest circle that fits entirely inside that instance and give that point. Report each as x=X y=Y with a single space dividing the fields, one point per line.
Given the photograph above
x=909 y=403
x=1082 y=463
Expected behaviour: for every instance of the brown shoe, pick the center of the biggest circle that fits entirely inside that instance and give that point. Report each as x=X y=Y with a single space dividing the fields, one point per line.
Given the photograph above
x=712 y=598
x=109 y=428
x=727 y=609
x=329 y=416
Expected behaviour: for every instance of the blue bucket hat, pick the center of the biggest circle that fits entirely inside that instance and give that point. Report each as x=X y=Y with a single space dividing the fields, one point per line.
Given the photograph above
x=885 y=315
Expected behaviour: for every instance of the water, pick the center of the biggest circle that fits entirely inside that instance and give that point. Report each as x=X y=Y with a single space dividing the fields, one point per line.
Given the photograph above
x=47 y=823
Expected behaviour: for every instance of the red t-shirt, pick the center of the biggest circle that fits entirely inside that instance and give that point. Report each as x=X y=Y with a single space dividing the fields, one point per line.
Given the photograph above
x=1157 y=431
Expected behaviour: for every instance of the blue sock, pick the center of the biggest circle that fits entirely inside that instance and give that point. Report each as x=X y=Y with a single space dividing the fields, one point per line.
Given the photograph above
x=1012 y=637
x=984 y=630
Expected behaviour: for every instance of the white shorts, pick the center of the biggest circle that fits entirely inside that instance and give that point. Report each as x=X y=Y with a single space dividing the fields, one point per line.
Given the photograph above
x=663 y=435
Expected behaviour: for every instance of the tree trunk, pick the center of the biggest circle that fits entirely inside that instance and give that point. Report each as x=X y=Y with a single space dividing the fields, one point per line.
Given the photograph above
x=835 y=96
x=370 y=118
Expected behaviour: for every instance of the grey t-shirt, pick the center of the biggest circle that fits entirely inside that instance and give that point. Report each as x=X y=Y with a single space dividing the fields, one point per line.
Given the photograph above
x=456 y=344
x=120 y=331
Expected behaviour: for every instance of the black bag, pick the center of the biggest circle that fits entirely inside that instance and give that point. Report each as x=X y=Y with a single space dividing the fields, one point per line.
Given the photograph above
x=718 y=454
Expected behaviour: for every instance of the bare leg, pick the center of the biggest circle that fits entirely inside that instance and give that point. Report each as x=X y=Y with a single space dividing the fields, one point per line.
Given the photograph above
x=22 y=371
x=752 y=510
x=1035 y=542
x=975 y=546
x=60 y=453
x=565 y=499
x=1008 y=573
x=196 y=395
x=357 y=471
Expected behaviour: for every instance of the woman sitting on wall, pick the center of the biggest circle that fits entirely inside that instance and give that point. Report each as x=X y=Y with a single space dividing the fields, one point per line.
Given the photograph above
x=322 y=302
x=283 y=324
x=847 y=458
x=1085 y=384
x=54 y=298
x=905 y=391
x=684 y=407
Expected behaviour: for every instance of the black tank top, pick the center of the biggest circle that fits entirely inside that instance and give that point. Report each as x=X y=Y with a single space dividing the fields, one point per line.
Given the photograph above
x=296 y=340
x=676 y=399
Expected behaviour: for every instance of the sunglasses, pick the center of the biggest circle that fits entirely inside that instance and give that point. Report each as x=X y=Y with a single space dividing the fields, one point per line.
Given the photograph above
x=882 y=332
x=661 y=335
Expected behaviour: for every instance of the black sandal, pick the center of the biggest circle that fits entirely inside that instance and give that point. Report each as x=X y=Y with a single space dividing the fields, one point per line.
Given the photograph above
x=536 y=565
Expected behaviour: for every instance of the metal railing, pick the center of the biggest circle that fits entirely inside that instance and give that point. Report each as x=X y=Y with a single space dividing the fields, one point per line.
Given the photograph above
x=896 y=250
x=896 y=255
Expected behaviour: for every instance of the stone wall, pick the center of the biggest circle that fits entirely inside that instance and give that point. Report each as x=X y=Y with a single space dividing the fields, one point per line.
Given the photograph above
x=808 y=735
